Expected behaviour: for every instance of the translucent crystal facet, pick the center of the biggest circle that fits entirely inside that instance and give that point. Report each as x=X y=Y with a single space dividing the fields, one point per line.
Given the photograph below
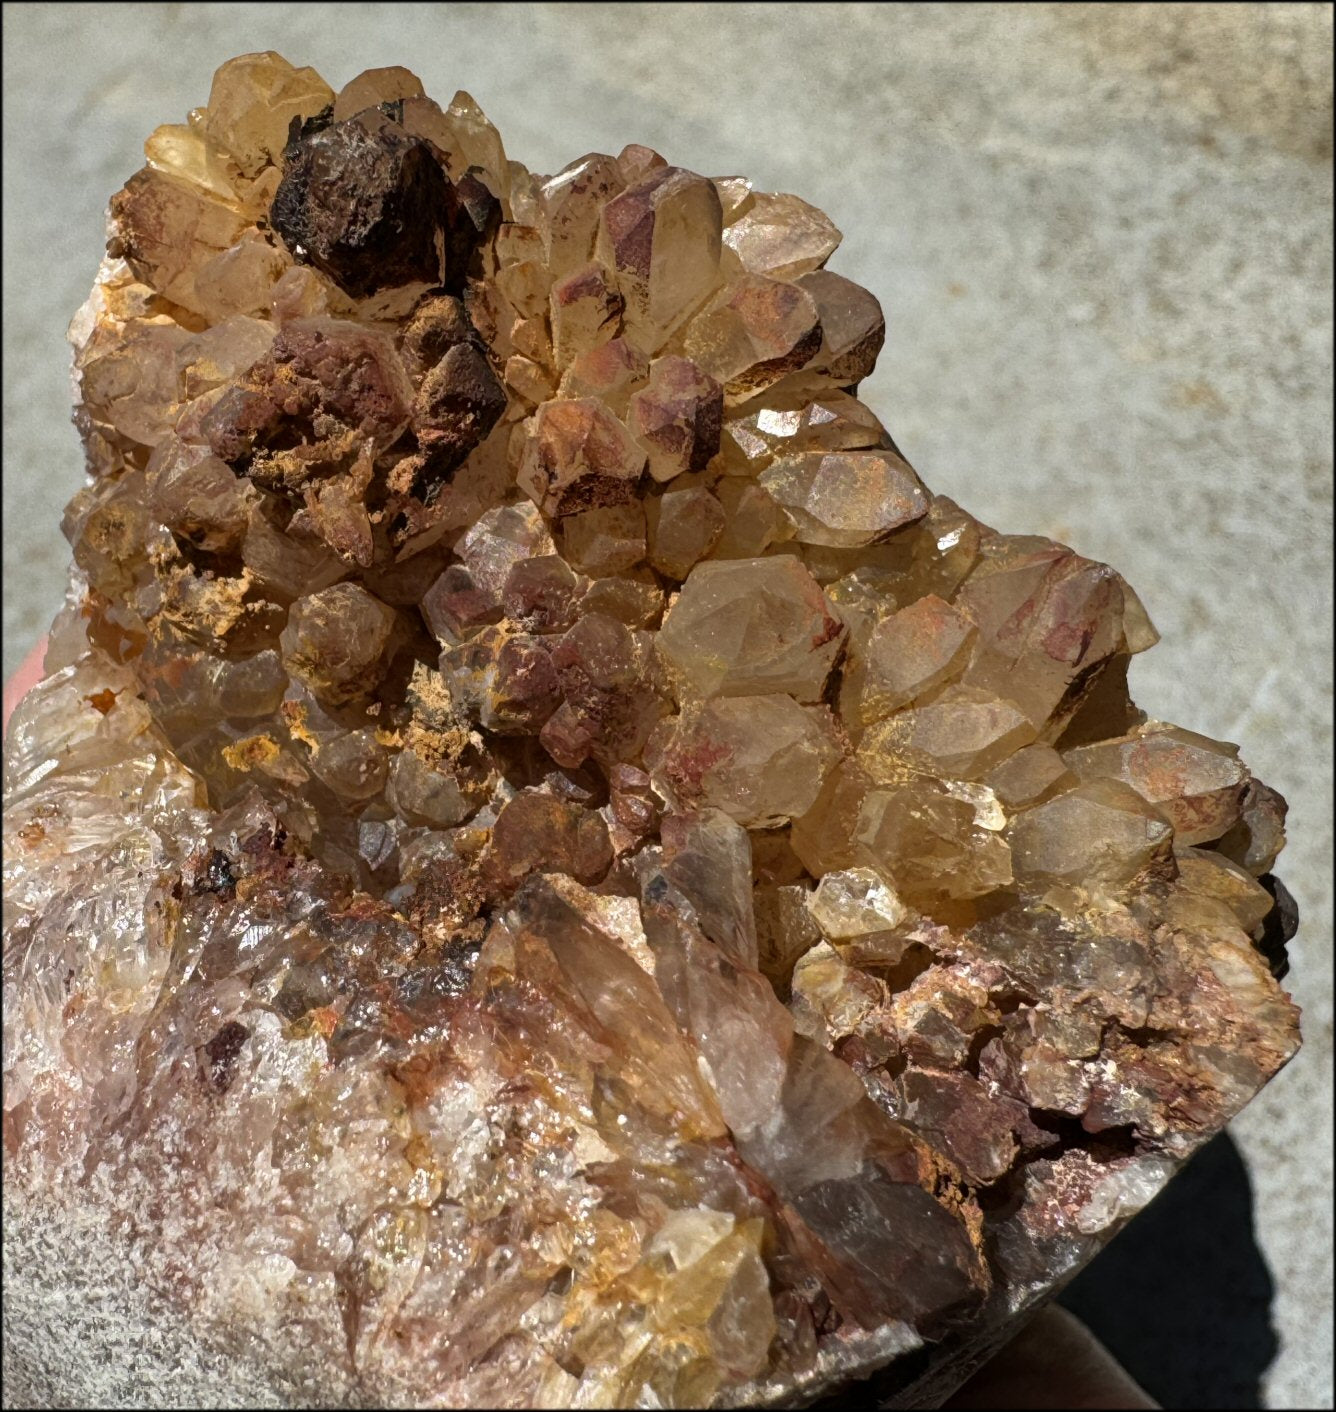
x=748 y=626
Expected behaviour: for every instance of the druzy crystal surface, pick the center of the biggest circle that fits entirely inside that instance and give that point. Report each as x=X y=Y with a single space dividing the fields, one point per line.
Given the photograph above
x=548 y=868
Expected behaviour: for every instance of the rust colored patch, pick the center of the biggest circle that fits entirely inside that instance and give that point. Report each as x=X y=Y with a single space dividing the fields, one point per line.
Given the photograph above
x=296 y=715
x=251 y=753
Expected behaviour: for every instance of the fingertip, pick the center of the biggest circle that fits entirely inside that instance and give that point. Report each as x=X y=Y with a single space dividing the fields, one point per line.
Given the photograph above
x=1055 y=1361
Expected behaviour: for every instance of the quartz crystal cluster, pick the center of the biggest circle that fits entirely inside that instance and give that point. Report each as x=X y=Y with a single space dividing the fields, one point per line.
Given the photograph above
x=548 y=868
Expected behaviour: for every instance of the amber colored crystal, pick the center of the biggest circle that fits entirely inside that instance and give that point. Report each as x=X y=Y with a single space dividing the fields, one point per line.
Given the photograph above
x=548 y=868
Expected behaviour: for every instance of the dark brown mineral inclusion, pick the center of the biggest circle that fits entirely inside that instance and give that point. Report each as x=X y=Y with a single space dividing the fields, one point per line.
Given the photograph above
x=366 y=204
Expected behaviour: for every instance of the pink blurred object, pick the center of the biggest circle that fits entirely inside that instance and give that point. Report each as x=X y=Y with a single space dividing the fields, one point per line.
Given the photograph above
x=23 y=680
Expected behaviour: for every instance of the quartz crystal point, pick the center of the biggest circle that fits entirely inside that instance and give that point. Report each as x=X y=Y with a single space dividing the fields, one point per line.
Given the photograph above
x=548 y=868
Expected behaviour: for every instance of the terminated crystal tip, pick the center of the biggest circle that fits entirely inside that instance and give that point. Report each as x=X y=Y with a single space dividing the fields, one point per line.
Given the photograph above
x=548 y=868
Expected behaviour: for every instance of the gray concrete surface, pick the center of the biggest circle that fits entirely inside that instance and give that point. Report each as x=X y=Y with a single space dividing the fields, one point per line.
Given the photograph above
x=1102 y=237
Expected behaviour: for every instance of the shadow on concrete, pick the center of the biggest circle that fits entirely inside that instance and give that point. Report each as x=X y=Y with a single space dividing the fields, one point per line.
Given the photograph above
x=1183 y=1296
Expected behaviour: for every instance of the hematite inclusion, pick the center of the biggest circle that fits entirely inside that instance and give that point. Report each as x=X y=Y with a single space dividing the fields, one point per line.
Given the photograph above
x=548 y=868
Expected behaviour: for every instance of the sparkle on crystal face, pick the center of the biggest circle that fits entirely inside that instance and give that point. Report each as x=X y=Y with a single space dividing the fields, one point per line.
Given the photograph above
x=575 y=876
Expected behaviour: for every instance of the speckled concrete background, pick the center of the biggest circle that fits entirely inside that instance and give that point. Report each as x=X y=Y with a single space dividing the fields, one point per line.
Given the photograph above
x=1102 y=237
